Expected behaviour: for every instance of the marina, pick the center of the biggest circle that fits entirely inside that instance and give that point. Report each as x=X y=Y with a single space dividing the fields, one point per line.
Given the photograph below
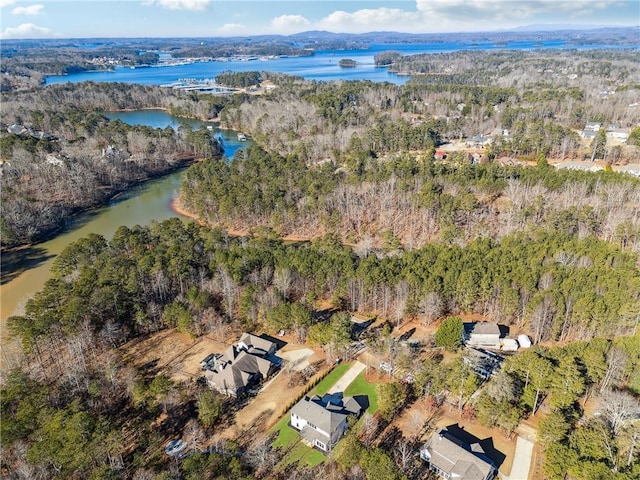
x=207 y=85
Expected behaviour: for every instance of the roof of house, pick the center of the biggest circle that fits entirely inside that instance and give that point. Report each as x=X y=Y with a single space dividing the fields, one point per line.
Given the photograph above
x=236 y=368
x=257 y=342
x=451 y=455
x=484 y=328
x=327 y=412
x=229 y=355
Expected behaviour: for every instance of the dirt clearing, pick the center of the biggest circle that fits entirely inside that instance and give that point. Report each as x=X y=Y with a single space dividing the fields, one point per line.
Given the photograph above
x=170 y=353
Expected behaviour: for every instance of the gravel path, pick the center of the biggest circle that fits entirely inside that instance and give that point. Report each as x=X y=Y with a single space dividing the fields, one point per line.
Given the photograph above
x=521 y=461
x=300 y=358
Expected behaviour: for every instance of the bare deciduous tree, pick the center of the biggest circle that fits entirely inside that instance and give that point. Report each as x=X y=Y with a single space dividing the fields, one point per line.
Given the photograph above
x=618 y=409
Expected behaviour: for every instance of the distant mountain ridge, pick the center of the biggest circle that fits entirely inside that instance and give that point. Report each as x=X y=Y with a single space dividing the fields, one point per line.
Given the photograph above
x=560 y=27
x=571 y=33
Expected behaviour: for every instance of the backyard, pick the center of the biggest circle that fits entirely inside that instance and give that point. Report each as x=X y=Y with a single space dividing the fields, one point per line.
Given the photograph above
x=288 y=438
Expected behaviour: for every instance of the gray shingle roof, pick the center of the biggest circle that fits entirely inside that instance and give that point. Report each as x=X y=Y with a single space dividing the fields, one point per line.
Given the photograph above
x=237 y=369
x=314 y=412
x=466 y=462
x=485 y=328
x=257 y=342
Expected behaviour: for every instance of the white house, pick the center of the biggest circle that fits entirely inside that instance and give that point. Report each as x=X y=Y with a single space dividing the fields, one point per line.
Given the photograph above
x=321 y=421
x=482 y=334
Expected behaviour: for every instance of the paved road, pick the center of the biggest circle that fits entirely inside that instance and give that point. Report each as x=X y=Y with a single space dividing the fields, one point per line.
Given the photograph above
x=521 y=461
x=349 y=376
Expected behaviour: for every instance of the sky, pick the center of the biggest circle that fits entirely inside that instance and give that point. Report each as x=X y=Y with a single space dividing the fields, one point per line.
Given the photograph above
x=215 y=18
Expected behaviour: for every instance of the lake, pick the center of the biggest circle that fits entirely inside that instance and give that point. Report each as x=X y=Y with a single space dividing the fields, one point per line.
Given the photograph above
x=321 y=66
x=24 y=272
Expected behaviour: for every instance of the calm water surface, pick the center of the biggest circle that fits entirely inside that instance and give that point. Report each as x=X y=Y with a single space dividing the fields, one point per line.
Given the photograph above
x=26 y=271
x=321 y=66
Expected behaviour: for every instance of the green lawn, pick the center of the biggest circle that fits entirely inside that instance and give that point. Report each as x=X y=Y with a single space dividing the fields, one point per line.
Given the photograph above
x=300 y=453
x=360 y=386
x=328 y=381
x=288 y=438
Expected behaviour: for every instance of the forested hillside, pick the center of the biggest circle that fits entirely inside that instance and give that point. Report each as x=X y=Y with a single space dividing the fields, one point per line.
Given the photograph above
x=531 y=103
x=69 y=157
x=380 y=224
x=408 y=200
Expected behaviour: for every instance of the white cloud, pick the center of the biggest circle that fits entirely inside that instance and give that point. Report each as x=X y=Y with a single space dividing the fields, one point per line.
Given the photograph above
x=368 y=20
x=232 y=29
x=30 y=10
x=500 y=9
x=193 y=5
x=290 y=24
x=6 y=3
x=452 y=15
x=26 y=30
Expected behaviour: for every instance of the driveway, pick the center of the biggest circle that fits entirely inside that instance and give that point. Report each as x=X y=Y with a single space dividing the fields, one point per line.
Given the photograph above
x=521 y=460
x=299 y=358
x=349 y=376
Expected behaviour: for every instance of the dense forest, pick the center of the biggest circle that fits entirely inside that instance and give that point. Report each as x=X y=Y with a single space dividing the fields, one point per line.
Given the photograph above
x=408 y=200
x=350 y=125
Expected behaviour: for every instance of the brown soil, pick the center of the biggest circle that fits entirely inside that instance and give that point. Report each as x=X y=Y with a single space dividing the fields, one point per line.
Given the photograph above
x=267 y=408
x=373 y=375
x=171 y=353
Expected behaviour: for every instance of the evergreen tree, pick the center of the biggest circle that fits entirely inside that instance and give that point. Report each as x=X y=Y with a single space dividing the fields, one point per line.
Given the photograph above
x=449 y=334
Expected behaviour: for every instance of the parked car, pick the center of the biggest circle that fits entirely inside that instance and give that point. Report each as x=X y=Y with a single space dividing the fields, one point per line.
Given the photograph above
x=175 y=447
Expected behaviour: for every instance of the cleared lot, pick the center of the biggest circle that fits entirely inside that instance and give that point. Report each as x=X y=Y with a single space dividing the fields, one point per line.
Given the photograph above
x=170 y=353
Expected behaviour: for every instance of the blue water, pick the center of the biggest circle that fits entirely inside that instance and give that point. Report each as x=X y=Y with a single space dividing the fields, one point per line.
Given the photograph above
x=321 y=66
x=161 y=119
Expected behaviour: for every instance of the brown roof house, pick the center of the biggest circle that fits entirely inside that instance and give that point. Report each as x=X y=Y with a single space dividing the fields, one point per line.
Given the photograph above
x=321 y=421
x=241 y=367
x=482 y=334
x=453 y=459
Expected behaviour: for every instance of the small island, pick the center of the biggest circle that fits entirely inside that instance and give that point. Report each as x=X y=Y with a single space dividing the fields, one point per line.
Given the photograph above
x=347 y=63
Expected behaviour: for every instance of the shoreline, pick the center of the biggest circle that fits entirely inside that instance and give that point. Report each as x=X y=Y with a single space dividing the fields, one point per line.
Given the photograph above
x=50 y=234
x=178 y=208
